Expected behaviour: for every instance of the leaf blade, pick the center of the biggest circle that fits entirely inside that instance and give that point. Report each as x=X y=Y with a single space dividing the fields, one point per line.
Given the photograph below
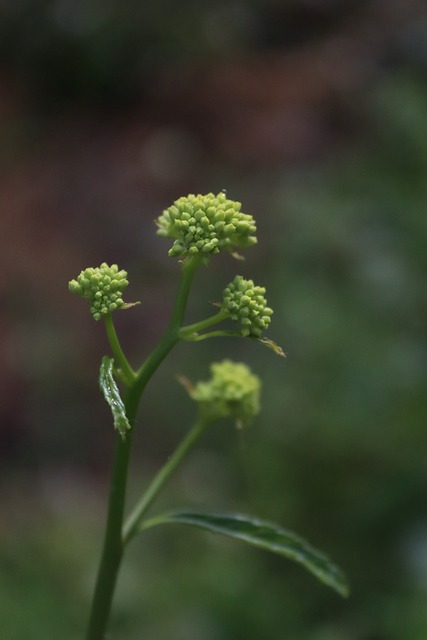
x=265 y=535
x=111 y=394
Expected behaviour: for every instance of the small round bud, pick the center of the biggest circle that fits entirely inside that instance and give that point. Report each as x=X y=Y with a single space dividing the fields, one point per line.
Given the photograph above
x=246 y=303
x=232 y=391
x=207 y=224
x=102 y=287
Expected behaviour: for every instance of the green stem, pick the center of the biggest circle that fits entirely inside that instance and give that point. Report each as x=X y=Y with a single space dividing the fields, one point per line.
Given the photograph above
x=154 y=522
x=172 y=334
x=113 y=545
x=190 y=329
x=188 y=270
x=113 y=548
x=127 y=371
x=134 y=520
x=220 y=333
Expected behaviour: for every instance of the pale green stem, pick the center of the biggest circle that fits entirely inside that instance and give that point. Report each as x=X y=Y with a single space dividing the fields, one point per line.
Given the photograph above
x=215 y=334
x=134 y=520
x=127 y=372
x=191 y=329
x=154 y=522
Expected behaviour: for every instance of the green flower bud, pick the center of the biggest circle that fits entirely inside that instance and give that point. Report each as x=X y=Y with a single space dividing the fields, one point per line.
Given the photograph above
x=103 y=288
x=207 y=224
x=233 y=391
x=246 y=304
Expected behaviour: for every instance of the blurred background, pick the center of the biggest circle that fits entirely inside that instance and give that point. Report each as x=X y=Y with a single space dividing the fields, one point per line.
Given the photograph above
x=313 y=113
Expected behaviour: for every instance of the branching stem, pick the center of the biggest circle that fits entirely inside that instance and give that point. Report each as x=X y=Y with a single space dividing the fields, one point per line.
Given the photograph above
x=134 y=521
x=191 y=330
x=136 y=382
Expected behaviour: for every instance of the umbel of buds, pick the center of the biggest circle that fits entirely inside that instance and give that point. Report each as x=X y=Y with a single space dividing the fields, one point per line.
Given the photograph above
x=232 y=391
x=206 y=224
x=246 y=303
x=103 y=288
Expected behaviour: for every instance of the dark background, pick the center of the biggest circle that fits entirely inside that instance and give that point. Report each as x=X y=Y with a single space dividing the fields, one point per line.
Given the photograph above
x=314 y=115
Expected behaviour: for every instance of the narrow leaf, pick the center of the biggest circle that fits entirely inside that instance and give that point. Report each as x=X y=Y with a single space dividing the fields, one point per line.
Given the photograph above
x=265 y=535
x=272 y=345
x=112 y=395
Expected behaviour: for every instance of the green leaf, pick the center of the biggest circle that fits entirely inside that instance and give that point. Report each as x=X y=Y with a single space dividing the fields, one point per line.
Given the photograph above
x=264 y=535
x=112 y=395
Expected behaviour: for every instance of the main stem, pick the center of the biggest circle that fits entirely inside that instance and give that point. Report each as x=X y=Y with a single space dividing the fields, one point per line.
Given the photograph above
x=112 y=549
x=113 y=544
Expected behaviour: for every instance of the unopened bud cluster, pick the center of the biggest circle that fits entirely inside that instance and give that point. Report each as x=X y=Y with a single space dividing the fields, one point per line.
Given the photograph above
x=246 y=303
x=206 y=224
x=103 y=288
x=233 y=391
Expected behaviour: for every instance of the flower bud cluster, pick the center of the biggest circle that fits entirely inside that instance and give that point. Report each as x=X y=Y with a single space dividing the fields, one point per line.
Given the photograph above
x=103 y=288
x=206 y=224
x=233 y=391
x=246 y=304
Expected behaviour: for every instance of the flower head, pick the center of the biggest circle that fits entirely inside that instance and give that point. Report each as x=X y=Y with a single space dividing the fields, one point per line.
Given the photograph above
x=206 y=224
x=232 y=391
x=246 y=304
x=103 y=288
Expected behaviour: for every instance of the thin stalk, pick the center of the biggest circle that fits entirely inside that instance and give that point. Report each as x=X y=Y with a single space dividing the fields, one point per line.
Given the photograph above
x=220 y=333
x=134 y=520
x=113 y=545
x=190 y=329
x=171 y=336
x=188 y=270
x=127 y=371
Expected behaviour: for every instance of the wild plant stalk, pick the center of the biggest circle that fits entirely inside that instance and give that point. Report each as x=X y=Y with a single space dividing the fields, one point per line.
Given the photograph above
x=200 y=227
